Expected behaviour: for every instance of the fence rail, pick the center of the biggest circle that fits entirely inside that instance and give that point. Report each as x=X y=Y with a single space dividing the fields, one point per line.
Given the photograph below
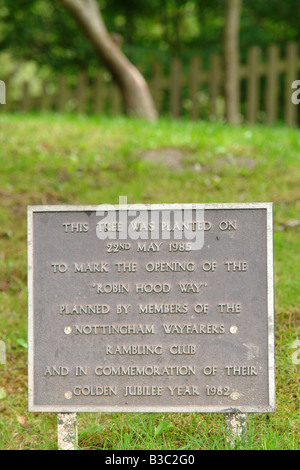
x=265 y=89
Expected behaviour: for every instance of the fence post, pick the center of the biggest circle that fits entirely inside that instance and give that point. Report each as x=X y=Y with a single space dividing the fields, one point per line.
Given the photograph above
x=62 y=93
x=25 y=106
x=81 y=92
x=231 y=61
x=253 y=84
x=116 y=102
x=214 y=84
x=195 y=84
x=272 y=84
x=157 y=85
x=100 y=94
x=291 y=75
x=44 y=100
x=175 y=90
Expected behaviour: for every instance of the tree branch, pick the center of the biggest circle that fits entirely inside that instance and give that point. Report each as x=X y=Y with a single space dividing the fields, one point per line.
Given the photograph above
x=137 y=97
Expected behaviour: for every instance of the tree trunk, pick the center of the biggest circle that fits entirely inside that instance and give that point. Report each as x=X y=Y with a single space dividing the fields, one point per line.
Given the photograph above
x=133 y=86
x=231 y=56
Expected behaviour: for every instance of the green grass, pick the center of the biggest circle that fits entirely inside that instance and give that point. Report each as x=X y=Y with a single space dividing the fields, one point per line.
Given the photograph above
x=55 y=159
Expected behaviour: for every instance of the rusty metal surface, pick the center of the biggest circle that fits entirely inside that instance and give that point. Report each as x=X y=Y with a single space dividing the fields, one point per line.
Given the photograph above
x=147 y=324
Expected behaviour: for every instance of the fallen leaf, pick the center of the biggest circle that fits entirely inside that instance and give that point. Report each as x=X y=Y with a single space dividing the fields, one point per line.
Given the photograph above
x=21 y=420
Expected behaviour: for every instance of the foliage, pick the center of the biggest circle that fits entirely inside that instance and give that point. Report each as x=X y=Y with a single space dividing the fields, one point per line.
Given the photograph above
x=43 y=31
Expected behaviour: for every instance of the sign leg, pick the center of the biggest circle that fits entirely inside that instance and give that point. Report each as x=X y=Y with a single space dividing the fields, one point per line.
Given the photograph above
x=235 y=427
x=67 y=431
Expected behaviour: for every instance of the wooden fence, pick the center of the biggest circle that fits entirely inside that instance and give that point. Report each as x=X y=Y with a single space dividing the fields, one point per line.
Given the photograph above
x=183 y=90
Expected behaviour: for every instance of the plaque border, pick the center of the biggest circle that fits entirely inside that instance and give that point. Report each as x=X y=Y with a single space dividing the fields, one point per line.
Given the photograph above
x=268 y=206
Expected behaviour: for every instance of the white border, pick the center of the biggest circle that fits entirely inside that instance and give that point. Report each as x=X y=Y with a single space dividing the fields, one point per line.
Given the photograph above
x=271 y=313
x=158 y=409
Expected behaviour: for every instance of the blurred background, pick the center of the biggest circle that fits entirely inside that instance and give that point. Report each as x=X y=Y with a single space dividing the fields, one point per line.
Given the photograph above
x=200 y=58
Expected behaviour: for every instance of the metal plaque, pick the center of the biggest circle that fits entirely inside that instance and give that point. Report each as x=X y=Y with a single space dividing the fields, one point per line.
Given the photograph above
x=159 y=308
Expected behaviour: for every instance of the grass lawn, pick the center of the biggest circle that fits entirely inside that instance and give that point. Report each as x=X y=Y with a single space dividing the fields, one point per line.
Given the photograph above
x=56 y=159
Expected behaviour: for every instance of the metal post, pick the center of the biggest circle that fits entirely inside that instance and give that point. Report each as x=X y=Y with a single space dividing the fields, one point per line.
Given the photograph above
x=235 y=427
x=67 y=431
